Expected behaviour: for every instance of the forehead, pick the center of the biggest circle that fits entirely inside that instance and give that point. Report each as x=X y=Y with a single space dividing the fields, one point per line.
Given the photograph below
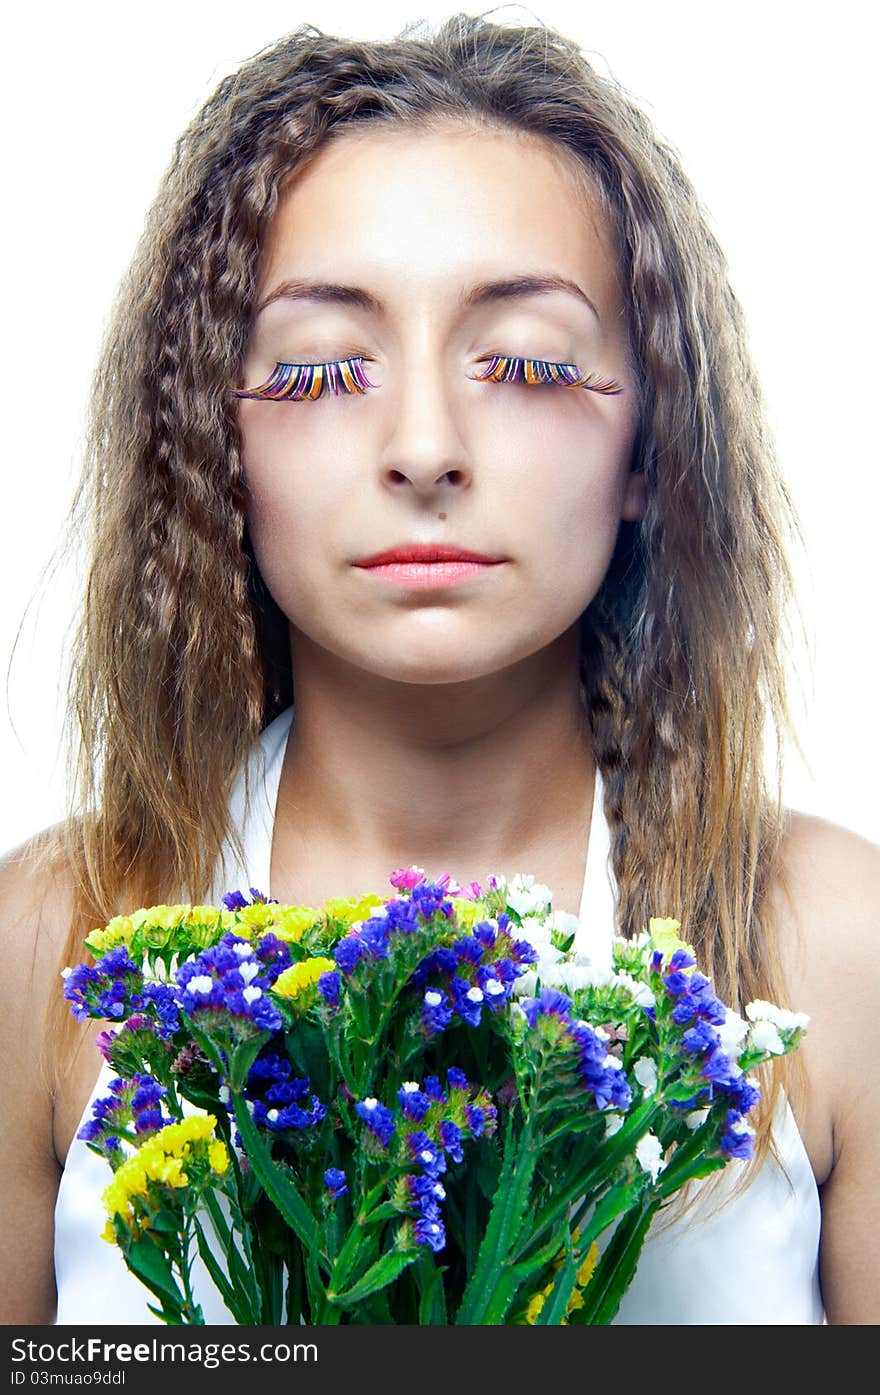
x=414 y=212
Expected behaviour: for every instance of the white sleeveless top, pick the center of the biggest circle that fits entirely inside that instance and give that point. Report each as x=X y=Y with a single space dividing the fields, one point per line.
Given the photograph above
x=754 y=1261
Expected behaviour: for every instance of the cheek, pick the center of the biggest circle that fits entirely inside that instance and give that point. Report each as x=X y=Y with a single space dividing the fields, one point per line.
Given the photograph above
x=297 y=479
x=567 y=488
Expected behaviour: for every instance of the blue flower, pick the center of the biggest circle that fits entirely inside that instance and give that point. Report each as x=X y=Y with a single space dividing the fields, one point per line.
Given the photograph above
x=328 y=987
x=374 y=937
x=436 y=1012
x=433 y=1089
x=335 y=1181
x=451 y=1137
x=467 y=1000
x=413 y=1101
x=700 y=1038
x=721 y=1070
x=430 y=1232
x=426 y=1154
x=550 y=1003
x=733 y=1144
x=378 y=1119
x=349 y=952
x=456 y=1079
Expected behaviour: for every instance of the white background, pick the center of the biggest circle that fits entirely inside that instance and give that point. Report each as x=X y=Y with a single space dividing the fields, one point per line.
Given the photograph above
x=770 y=108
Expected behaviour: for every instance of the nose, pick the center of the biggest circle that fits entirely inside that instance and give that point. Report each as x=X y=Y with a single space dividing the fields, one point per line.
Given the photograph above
x=424 y=443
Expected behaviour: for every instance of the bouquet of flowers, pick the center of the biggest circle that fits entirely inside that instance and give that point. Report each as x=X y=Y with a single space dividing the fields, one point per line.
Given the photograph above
x=426 y=1109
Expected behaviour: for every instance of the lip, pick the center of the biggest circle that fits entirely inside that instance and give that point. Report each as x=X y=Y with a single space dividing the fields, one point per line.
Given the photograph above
x=430 y=575
x=416 y=552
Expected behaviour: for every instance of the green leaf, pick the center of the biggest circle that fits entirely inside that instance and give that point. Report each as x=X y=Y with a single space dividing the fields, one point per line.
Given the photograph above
x=432 y=1301
x=152 y=1266
x=277 y=1187
x=488 y=1293
x=237 y=1304
x=378 y=1276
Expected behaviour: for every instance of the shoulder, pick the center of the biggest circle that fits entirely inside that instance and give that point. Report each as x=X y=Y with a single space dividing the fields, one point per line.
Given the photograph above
x=826 y=900
x=825 y=897
x=35 y=907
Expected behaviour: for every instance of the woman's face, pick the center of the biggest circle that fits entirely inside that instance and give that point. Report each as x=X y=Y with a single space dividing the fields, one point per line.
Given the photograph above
x=431 y=233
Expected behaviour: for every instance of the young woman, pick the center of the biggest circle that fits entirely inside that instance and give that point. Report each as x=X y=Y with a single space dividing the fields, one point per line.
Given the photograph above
x=429 y=298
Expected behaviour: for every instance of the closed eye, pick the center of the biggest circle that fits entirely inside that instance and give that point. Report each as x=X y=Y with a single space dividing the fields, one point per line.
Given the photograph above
x=538 y=372
x=292 y=382
x=296 y=382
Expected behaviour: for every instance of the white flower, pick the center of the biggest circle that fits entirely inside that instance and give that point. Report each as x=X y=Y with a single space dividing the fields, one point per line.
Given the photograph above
x=612 y=1063
x=575 y=976
x=650 y=1155
x=761 y=1011
x=249 y=970
x=475 y=994
x=599 y=975
x=525 y=985
x=494 y=987
x=242 y=949
x=562 y=922
x=410 y=1087
x=252 y=993
x=765 y=1037
x=65 y=973
x=732 y=1032
x=272 y=1115
x=645 y=1072
x=225 y=1094
x=639 y=992
x=696 y=1118
x=202 y=983
x=433 y=998
x=525 y=895
x=516 y=1013
x=613 y=1122
x=371 y=1102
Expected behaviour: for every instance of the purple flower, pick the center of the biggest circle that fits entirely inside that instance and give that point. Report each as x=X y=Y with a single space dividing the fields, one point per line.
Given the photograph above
x=700 y=1038
x=436 y=1012
x=467 y=999
x=378 y=1119
x=550 y=1003
x=234 y=901
x=451 y=1138
x=334 y=1180
x=426 y=1153
x=413 y=1101
x=374 y=937
x=430 y=1232
x=328 y=987
x=349 y=952
x=734 y=1144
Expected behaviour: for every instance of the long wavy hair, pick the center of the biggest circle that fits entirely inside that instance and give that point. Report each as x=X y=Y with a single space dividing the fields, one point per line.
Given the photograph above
x=182 y=657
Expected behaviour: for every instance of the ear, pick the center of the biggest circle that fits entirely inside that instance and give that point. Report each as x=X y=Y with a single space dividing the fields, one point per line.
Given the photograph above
x=634 y=497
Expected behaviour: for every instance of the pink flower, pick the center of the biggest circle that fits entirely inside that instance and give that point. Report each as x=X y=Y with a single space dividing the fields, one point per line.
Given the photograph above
x=407 y=878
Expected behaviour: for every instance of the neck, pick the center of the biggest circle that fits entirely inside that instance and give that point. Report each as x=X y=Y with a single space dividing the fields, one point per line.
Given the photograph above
x=493 y=774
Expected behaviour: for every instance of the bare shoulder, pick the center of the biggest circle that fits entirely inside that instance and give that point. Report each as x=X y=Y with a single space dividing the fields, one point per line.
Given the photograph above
x=34 y=914
x=827 y=901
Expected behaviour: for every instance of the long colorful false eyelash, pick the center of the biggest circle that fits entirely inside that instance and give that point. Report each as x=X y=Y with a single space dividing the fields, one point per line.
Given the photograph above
x=535 y=371
x=294 y=381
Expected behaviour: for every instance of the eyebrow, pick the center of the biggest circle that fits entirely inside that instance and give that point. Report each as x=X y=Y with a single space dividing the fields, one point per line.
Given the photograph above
x=509 y=288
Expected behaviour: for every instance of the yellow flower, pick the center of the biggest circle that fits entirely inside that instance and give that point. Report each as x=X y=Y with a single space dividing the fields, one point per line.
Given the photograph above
x=298 y=977
x=664 y=936
x=260 y=916
x=292 y=922
x=348 y=909
x=469 y=913
x=161 y=1159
